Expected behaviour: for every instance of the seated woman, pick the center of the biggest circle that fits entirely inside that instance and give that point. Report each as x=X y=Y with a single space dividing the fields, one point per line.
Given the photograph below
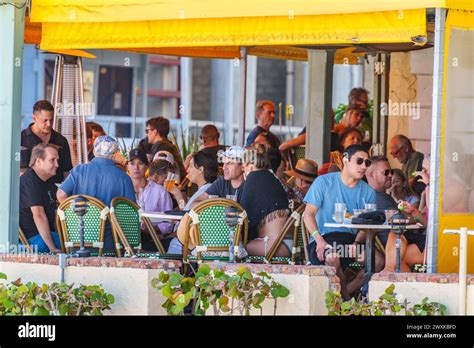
x=401 y=191
x=150 y=194
x=350 y=137
x=352 y=118
x=202 y=171
x=265 y=202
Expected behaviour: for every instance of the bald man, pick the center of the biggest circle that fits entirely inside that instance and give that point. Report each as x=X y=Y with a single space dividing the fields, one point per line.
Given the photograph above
x=401 y=148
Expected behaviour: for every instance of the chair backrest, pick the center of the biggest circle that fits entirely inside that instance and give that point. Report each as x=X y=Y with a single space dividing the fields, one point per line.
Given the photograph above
x=126 y=226
x=296 y=153
x=211 y=233
x=292 y=227
x=94 y=223
x=24 y=240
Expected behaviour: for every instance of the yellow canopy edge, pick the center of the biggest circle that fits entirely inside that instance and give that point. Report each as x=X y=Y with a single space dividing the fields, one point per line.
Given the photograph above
x=145 y=10
x=378 y=27
x=448 y=245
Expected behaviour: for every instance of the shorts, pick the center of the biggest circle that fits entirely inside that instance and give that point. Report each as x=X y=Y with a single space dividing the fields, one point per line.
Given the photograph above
x=412 y=237
x=334 y=239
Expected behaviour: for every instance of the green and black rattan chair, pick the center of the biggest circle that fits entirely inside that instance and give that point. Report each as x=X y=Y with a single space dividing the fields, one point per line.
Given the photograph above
x=67 y=224
x=126 y=224
x=210 y=232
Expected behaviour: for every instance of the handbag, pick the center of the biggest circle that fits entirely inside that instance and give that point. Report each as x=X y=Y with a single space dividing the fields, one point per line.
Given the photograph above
x=369 y=218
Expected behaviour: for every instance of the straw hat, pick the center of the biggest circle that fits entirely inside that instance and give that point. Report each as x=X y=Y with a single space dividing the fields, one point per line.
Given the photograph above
x=305 y=169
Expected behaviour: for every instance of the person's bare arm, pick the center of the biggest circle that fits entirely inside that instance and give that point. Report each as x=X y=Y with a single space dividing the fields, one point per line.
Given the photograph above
x=42 y=224
x=298 y=141
x=312 y=226
x=61 y=196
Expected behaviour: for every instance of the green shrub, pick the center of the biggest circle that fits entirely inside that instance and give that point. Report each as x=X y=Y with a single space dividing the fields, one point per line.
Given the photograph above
x=17 y=298
x=225 y=293
x=389 y=303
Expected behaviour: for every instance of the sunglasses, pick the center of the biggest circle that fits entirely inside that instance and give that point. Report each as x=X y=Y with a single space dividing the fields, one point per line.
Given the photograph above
x=386 y=172
x=396 y=152
x=361 y=160
x=148 y=130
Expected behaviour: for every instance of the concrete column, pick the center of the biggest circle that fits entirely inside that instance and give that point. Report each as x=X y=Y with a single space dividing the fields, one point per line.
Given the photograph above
x=11 y=69
x=318 y=111
x=185 y=108
x=436 y=124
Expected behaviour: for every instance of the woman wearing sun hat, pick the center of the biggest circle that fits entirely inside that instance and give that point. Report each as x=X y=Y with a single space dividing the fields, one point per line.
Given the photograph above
x=305 y=172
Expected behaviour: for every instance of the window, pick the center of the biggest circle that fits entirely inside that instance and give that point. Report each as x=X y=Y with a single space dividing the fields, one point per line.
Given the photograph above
x=115 y=91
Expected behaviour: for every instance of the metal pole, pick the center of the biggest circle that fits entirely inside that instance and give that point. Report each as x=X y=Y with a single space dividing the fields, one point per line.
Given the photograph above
x=12 y=23
x=462 y=270
x=243 y=96
x=436 y=123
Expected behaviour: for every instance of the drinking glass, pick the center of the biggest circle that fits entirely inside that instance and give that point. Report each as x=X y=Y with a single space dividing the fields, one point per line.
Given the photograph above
x=339 y=212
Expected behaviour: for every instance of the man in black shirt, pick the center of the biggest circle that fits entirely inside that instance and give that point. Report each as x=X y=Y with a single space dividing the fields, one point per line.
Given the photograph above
x=157 y=130
x=41 y=131
x=265 y=113
x=38 y=199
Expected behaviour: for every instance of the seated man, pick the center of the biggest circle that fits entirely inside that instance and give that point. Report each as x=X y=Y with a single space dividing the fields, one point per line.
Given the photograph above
x=37 y=199
x=101 y=179
x=346 y=187
x=232 y=182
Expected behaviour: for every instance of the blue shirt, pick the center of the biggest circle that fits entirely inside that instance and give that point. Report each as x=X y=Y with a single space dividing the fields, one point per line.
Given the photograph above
x=101 y=179
x=327 y=190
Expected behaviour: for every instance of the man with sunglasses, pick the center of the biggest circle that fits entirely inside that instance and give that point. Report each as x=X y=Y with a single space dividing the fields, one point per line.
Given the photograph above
x=346 y=187
x=379 y=177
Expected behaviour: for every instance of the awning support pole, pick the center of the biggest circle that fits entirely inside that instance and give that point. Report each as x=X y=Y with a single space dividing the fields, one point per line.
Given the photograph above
x=12 y=23
x=436 y=123
x=243 y=96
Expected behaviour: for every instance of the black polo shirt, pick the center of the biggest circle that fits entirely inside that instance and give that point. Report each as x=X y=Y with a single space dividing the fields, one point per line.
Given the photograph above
x=30 y=139
x=36 y=192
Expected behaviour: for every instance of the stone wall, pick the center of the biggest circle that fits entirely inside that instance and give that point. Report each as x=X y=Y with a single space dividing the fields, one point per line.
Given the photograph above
x=440 y=287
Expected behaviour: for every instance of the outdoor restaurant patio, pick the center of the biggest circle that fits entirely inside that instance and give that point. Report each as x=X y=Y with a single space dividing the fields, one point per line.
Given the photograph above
x=435 y=33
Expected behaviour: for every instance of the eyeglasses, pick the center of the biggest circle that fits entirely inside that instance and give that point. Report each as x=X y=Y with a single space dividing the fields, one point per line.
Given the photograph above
x=386 y=172
x=361 y=160
x=148 y=130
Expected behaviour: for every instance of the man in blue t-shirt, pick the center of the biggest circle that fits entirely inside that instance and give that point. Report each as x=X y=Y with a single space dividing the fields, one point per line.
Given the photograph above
x=101 y=179
x=327 y=190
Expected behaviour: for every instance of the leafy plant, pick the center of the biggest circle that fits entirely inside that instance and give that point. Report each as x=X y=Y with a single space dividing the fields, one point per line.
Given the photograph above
x=17 y=298
x=189 y=143
x=389 y=303
x=224 y=293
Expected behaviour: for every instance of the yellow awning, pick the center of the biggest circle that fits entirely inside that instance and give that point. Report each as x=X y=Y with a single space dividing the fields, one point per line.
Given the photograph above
x=145 y=10
x=378 y=27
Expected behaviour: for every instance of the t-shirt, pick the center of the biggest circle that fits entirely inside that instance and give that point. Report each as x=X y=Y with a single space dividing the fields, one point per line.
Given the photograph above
x=36 y=192
x=256 y=131
x=414 y=163
x=222 y=188
x=327 y=190
x=384 y=201
x=103 y=180
x=30 y=140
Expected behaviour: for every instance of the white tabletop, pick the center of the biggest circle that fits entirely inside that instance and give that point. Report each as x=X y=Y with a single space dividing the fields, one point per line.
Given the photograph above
x=160 y=216
x=374 y=227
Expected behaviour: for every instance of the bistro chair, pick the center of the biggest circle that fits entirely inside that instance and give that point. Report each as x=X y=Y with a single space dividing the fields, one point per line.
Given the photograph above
x=292 y=228
x=210 y=232
x=296 y=153
x=67 y=224
x=24 y=240
x=126 y=227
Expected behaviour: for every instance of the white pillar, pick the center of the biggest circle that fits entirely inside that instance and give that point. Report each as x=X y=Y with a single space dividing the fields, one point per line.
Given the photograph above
x=185 y=108
x=436 y=123
x=11 y=72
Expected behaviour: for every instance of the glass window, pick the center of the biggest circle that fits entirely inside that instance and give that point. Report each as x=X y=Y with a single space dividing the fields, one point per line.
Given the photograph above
x=115 y=91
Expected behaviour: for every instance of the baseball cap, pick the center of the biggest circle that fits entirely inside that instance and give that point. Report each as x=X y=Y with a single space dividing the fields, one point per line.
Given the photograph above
x=166 y=155
x=235 y=153
x=137 y=153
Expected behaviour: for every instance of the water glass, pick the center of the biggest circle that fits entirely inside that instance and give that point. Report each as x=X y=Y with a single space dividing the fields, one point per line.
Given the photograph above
x=339 y=212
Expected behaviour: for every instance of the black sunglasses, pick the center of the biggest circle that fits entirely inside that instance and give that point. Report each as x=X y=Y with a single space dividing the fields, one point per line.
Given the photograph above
x=386 y=172
x=361 y=160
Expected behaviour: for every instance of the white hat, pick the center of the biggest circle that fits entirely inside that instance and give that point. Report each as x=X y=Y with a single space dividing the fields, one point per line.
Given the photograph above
x=166 y=155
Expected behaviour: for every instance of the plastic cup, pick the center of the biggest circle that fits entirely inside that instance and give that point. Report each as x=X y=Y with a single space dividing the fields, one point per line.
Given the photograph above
x=339 y=212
